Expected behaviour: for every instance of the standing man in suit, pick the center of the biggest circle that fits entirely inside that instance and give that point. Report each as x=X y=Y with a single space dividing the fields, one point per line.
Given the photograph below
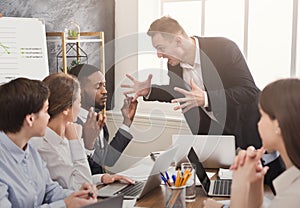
x=210 y=80
x=95 y=133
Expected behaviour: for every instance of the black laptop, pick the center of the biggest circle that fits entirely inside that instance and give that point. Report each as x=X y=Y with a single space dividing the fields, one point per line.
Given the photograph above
x=219 y=187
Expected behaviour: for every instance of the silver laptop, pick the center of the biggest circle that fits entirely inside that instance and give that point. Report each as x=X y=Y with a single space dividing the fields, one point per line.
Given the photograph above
x=140 y=188
x=220 y=187
x=214 y=151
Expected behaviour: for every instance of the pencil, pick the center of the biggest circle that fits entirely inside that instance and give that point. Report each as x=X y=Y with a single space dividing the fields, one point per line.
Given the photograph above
x=104 y=111
x=178 y=179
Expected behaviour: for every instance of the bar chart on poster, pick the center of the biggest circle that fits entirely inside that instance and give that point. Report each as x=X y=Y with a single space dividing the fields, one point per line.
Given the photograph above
x=23 y=49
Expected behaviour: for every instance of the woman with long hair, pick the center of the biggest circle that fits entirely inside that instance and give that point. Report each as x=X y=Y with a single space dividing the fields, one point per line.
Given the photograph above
x=62 y=146
x=279 y=129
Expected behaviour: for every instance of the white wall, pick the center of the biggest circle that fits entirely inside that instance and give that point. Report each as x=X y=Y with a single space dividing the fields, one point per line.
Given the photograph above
x=153 y=129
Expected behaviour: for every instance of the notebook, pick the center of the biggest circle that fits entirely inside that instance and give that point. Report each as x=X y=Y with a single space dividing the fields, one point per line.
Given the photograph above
x=214 y=151
x=140 y=188
x=116 y=202
x=220 y=187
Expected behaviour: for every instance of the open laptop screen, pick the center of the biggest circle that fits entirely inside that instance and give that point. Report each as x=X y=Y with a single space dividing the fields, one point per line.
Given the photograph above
x=200 y=171
x=213 y=151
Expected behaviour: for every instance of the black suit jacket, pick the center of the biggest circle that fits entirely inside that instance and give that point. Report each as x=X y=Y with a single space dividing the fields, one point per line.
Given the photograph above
x=111 y=152
x=232 y=93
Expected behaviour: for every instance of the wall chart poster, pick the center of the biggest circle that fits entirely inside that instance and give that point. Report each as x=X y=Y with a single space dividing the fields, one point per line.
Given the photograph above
x=23 y=49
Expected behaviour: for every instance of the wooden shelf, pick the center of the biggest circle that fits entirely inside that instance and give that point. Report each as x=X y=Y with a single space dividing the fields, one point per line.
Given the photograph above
x=85 y=37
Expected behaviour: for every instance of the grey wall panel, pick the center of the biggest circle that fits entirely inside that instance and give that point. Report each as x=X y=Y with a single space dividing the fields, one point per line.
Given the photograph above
x=91 y=15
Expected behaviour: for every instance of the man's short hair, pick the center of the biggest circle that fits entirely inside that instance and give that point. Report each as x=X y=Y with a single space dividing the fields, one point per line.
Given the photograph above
x=167 y=26
x=18 y=98
x=82 y=71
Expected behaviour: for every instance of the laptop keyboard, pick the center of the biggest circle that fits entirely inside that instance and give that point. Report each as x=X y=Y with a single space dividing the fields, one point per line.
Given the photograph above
x=222 y=187
x=133 y=189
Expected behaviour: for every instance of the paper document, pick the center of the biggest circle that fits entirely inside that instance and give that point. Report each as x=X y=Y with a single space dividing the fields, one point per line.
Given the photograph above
x=225 y=173
x=129 y=203
x=137 y=173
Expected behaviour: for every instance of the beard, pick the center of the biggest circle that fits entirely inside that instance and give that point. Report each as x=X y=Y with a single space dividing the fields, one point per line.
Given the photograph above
x=98 y=107
x=90 y=101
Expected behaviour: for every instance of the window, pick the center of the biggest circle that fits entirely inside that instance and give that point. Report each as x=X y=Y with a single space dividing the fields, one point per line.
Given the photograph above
x=225 y=18
x=270 y=38
x=265 y=31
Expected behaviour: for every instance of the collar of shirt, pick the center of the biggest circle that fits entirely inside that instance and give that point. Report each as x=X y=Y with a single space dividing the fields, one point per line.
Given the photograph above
x=53 y=138
x=284 y=181
x=196 y=60
x=16 y=152
x=83 y=114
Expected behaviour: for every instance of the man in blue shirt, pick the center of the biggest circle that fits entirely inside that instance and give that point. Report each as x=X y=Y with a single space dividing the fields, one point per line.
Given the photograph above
x=24 y=178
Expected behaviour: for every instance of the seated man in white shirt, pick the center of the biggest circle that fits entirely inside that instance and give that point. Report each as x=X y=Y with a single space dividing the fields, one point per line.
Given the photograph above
x=95 y=133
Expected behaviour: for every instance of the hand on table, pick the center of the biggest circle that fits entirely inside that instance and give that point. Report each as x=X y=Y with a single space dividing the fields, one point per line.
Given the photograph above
x=85 y=196
x=107 y=178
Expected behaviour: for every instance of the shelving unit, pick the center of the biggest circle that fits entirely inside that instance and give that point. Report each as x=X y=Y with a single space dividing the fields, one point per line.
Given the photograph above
x=68 y=44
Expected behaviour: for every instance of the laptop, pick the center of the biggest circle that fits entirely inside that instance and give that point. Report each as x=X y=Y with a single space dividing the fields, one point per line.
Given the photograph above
x=140 y=188
x=116 y=202
x=214 y=151
x=221 y=187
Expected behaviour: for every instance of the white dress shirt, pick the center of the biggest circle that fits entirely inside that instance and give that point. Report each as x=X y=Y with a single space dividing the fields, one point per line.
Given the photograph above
x=194 y=72
x=66 y=160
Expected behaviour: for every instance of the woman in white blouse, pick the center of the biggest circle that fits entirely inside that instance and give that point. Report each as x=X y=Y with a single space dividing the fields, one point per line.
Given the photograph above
x=279 y=130
x=62 y=146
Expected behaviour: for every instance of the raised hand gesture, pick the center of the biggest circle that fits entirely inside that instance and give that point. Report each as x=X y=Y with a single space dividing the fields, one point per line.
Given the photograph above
x=139 y=88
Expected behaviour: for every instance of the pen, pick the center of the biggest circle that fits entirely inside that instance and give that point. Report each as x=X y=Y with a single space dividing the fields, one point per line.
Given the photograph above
x=168 y=178
x=174 y=178
x=90 y=194
x=164 y=179
x=167 y=175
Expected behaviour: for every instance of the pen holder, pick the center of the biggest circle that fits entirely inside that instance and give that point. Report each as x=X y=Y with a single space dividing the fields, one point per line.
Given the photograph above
x=190 y=185
x=175 y=197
